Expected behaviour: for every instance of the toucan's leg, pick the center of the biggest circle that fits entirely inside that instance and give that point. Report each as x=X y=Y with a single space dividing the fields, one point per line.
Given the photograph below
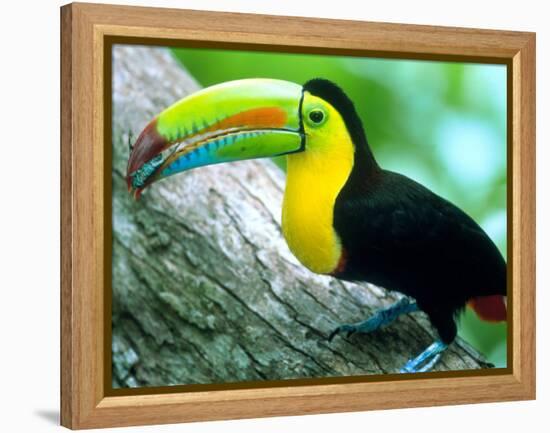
x=380 y=318
x=444 y=322
x=426 y=360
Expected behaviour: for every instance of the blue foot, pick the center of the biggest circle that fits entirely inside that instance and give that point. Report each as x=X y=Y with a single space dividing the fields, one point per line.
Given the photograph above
x=426 y=360
x=381 y=318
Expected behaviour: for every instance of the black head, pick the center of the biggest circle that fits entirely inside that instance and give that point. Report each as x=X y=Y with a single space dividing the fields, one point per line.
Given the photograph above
x=334 y=95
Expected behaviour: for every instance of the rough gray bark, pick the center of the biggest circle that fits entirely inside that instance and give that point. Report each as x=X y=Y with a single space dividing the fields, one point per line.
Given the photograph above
x=205 y=289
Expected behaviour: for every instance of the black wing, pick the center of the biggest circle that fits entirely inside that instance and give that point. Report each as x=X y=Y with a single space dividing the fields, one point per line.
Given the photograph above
x=400 y=235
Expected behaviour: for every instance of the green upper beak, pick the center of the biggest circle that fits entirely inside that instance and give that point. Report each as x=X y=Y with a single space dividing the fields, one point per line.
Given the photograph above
x=237 y=120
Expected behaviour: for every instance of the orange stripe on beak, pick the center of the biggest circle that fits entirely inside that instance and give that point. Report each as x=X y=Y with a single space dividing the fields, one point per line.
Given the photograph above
x=257 y=118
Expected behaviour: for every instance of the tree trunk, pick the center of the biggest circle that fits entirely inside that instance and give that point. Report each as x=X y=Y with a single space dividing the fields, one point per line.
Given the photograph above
x=205 y=289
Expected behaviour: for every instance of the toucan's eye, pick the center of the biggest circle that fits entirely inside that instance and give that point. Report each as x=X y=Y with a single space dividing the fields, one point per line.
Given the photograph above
x=317 y=116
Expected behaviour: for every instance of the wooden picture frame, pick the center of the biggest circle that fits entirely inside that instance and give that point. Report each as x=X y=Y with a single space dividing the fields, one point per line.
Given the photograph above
x=85 y=28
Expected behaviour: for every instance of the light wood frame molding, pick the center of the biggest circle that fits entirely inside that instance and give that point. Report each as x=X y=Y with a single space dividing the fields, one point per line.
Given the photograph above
x=84 y=27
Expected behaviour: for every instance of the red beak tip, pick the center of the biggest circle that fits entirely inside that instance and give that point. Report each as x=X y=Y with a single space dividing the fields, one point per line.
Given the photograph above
x=148 y=144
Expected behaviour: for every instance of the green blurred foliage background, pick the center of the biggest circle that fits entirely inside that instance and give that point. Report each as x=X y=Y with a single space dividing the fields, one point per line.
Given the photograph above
x=442 y=124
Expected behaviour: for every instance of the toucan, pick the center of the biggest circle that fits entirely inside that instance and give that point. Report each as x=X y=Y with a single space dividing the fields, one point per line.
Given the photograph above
x=342 y=215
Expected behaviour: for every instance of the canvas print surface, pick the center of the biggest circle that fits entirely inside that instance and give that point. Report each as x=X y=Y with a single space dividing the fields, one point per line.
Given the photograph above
x=285 y=216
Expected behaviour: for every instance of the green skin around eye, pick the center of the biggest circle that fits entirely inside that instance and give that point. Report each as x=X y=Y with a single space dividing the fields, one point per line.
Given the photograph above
x=316 y=116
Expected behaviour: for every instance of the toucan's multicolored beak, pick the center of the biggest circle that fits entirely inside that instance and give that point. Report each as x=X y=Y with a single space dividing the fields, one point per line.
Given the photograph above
x=237 y=120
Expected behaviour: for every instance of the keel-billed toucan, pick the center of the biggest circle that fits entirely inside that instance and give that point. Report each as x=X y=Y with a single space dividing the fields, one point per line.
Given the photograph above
x=342 y=214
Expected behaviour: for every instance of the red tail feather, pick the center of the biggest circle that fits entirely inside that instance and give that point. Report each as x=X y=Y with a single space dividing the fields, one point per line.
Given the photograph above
x=489 y=308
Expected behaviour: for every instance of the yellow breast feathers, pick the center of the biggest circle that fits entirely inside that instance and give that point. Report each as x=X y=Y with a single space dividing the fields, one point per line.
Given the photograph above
x=314 y=179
